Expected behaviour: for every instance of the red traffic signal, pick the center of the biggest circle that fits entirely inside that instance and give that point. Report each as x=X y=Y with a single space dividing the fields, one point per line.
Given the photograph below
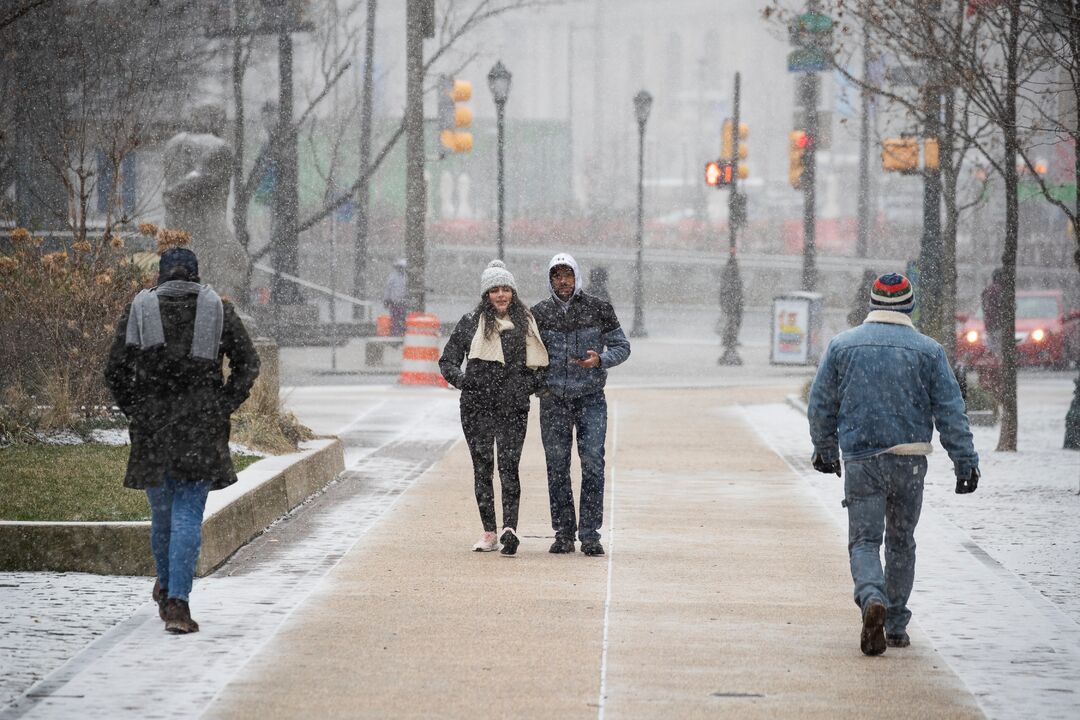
x=718 y=173
x=713 y=173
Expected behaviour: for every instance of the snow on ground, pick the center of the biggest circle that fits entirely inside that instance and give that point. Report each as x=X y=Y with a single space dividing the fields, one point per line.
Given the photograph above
x=995 y=587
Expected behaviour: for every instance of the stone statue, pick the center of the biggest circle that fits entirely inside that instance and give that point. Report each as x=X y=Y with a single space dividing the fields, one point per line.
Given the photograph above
x=198 y=172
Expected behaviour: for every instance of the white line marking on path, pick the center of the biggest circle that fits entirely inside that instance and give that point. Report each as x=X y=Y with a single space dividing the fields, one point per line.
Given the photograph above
x=610 y=560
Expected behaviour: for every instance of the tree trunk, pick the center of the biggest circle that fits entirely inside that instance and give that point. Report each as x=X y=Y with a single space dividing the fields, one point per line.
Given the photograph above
x=241 y=198
x=415 y=188
x=363 y=193
x=1072 y=418
x=948 y=235
x=1009 y=419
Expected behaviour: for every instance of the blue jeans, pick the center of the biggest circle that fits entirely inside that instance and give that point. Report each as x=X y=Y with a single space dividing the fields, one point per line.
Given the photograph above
x=884 y=494
x=176 y=513
x=559 y=418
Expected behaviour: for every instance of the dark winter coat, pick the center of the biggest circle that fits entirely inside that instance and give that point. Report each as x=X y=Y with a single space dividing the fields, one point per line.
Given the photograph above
x=488 y=386
x=588 y=323
x=179 y=406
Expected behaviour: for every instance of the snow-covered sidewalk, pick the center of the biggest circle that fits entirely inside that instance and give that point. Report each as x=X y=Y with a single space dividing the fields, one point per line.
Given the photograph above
x=995 y=587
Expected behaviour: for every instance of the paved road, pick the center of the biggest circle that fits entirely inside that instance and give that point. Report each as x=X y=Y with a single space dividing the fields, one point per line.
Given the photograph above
x=724 y=593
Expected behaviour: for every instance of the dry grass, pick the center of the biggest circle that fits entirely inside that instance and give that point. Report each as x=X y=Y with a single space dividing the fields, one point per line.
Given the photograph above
x=263 y=424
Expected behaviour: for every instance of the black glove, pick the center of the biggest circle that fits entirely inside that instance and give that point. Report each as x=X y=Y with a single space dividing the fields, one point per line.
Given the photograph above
x=825 y=467
x=965 y=485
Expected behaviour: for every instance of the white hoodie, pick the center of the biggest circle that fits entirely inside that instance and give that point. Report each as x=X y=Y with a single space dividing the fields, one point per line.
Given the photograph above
x=568 y=260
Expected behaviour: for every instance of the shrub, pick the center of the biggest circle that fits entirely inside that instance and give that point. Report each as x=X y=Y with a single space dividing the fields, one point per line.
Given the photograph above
x=57 y=316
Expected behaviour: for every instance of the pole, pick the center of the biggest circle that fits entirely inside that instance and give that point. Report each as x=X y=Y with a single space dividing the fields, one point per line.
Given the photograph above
x=638 y=329
x=363 y=193
x=731 y=290
x=500 y=107
x=285 y=235
x=415 y=188
x=333 y=291
x=809 y=273
x=931 y=250
x=862 y=230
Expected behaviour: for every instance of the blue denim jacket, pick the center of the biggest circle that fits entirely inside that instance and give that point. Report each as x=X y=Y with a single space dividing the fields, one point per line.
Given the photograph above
x=883 y=384
x=588 y=323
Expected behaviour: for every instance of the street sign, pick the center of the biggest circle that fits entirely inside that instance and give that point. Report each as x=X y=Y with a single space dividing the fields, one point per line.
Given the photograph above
x=808 y=59
x=811 y=29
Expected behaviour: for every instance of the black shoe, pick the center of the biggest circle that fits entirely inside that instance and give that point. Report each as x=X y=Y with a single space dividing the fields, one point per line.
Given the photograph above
x=899 y=639
x=872 y=639
x=509 y=541
x=160 y=594
x=592 y=548
x=562 y=545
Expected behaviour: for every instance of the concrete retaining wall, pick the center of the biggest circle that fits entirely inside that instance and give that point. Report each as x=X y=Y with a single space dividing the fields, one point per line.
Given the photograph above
x=264 y=492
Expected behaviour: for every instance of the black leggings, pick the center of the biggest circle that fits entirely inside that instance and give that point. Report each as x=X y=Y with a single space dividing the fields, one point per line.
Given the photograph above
x=506 y=429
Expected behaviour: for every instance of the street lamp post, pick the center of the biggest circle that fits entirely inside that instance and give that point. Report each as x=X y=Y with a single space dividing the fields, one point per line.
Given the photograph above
x=499 y=82
x=642 y=105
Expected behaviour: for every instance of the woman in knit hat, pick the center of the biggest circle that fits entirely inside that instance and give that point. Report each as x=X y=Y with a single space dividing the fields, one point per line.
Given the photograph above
x=506 y=361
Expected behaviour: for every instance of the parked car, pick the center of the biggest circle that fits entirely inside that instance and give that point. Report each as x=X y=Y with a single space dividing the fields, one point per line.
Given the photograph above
x=1046 y=335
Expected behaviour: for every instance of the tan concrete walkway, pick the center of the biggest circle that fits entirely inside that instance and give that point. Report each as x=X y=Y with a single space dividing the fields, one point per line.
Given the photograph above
x=729 y=597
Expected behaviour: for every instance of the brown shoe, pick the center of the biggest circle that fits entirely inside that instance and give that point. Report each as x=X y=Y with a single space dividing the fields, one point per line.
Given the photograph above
x=178 y=617
x=872 y=639
x=160 y=595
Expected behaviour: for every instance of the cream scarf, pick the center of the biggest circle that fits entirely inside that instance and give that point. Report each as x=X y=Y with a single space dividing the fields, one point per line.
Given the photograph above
x=485 y=348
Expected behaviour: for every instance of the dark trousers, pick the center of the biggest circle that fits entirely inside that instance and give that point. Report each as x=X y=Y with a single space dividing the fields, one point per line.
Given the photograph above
x=504 y=429
x=559 y=419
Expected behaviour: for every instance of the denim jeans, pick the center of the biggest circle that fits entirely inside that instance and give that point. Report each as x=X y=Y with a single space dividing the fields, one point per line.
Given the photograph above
x=559 y=419
x=176 y=513
x=884 y=494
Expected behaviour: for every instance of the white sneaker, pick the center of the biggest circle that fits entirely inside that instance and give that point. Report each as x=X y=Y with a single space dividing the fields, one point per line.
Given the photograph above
x=487 y=543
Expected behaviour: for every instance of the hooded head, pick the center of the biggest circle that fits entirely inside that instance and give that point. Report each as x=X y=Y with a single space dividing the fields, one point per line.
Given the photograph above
x=564 y=260
x=496 y=275
x=178 y=264
x=892 y=292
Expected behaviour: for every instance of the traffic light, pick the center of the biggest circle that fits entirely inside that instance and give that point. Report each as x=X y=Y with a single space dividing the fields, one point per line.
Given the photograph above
x=799 y=142
x=453 y=115
x=901 y=155
x=727 y=146
x=713 y=173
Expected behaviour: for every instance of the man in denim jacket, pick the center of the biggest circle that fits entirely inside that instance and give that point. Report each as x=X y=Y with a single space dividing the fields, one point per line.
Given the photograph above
x=583 y=339
x=879 y=391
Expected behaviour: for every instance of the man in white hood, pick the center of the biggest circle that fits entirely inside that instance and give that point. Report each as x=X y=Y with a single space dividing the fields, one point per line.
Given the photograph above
x=583 y=339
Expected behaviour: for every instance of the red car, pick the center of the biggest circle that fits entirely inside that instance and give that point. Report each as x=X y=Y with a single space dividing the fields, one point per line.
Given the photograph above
x=1045 y=334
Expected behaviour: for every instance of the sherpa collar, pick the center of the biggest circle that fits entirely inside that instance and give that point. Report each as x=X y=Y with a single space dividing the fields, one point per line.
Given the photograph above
x=888 y=316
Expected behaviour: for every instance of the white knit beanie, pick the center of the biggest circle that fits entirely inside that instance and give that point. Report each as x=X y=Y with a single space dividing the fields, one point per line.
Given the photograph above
x=494 y=275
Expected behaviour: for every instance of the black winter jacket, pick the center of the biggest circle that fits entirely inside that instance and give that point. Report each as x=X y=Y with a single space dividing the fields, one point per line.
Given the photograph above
x=485 y=385
x=179 y=406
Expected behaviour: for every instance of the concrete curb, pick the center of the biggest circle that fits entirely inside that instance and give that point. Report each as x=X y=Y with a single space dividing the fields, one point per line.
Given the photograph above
x=265 y=491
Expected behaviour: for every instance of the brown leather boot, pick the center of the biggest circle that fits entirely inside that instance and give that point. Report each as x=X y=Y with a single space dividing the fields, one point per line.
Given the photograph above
x=178 y=617
x=160 y=595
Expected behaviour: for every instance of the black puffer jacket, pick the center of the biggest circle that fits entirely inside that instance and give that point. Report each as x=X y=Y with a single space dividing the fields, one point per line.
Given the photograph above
x=179 y=406
x=487 y=385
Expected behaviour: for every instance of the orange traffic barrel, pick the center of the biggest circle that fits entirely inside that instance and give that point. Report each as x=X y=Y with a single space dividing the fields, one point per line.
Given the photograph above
x=420 y=357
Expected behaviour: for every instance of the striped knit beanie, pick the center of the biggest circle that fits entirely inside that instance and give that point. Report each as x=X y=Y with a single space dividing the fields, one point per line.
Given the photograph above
x=892 y=292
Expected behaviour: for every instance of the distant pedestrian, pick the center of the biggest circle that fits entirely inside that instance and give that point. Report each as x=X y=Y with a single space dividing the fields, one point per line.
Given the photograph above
x=396 y=298
x=879 y=392
x=993 y=307
x=860 y=301
x=506 y=360
x=165 y=373
x=598 y=283
x=584 y=339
